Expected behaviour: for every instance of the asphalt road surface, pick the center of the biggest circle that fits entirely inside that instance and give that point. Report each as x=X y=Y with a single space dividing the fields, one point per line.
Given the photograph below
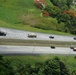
x=7 y=49
x=19 y=34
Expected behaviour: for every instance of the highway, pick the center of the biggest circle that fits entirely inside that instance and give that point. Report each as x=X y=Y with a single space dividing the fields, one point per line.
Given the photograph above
x=8 y=49
x=19 y=34
x=17 y=42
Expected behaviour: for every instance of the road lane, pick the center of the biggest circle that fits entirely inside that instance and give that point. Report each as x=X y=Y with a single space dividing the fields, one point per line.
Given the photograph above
x=19 y=34
x=8 y=49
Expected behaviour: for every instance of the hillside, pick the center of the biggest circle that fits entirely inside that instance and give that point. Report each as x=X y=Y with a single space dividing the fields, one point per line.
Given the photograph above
x=23 y=14
x=11 y=9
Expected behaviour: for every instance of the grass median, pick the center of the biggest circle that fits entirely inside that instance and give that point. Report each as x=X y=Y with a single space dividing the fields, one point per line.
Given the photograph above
x=20 y=42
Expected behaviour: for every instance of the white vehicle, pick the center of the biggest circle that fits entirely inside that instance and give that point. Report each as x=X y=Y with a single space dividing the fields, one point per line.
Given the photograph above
x=32 y=35
x=74 y=49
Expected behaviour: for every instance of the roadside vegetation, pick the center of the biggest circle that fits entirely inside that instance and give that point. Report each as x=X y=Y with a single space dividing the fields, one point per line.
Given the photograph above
x=25 y=15
x=46 y=43
x=38 y=65
x=61 y=11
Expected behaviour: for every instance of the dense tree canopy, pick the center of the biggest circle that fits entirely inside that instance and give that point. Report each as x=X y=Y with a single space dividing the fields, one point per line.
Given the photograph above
x=69 y=2
x=68 y=17
x=53 y=10
x=70 y=22
x=5 y=67
x=50 y=67
x=62 y=3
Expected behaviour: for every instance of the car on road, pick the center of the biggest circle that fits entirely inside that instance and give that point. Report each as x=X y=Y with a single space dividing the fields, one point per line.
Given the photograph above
x=53 y=47
x=52 y=37
x=74 y=38
x=32 y=35
x=2 y=33
x=74 y=49
x=71 y=47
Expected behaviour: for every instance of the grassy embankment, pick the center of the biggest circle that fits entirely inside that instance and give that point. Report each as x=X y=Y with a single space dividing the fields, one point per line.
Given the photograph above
x=24 y=15
x=69 y=60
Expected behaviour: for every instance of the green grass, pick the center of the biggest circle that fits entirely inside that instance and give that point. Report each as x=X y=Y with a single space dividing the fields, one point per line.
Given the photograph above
x=29 y=28
x=69 y=60
x=18 y=42
x=11 y=12
x=11 y=9
x=49 y=2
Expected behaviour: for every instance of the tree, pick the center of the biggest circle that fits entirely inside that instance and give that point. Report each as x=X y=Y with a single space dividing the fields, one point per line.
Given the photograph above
x=63 y=69
x=55 y=2
x=52 y=10
x=63 y=18
x=62 y=4
x=5 y=67
x=51 y=67
x=72 y=26
x=55 y=67
x=24 y=69
x=74 y=72
x=38 y=68
x=1 y=58
x=69 y=2
x=70 y=22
